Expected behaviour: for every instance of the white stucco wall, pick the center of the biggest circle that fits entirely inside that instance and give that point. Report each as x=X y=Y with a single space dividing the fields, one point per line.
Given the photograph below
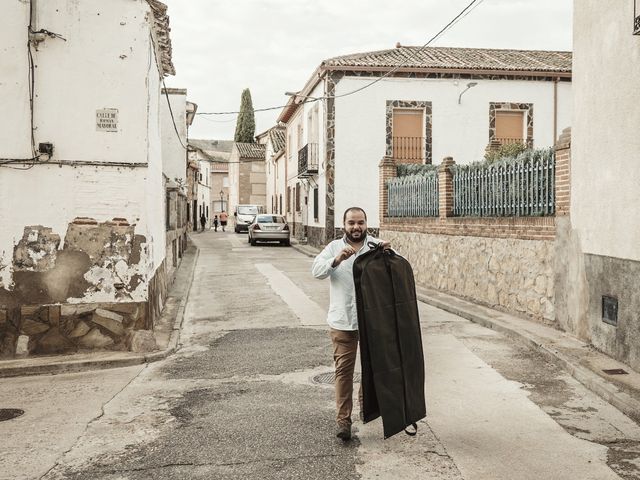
x=70 y=79
x=14 y=89
x=301 y=118
x=234 y=180
x=458 y=130
x=605 y=133
x=174 y=159
x=90 y=71
x=204 y=190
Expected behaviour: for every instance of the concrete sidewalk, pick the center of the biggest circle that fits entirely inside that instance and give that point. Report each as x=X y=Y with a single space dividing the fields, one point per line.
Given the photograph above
x=580 y=360
x=166 y=331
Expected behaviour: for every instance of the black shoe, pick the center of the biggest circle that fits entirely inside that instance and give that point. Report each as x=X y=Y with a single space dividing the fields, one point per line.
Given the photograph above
x=344 y=432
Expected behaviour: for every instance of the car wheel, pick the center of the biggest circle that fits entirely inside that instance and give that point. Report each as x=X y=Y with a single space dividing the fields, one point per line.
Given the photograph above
x=253 y=242
x=286 y=243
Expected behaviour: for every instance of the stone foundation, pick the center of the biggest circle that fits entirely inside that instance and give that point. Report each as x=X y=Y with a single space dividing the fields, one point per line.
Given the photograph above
x=93 y=293
x=581 y=282
x=69 y=328
x=315 y=237
x=509 y=274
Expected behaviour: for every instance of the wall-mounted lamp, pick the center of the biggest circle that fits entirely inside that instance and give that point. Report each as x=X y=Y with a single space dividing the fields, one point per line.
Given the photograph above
x=636 y=17
x=469 y=85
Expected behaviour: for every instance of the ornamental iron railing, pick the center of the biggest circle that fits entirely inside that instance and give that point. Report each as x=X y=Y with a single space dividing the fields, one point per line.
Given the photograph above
x=408 y=148
x=413 y=196
x=521 y=187
x=308 y=159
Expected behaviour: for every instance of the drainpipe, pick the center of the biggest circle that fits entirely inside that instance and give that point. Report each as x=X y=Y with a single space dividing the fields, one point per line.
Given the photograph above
x=555 y=109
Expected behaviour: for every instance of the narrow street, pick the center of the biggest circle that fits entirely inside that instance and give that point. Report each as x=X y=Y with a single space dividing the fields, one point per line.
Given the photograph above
x=247 y=396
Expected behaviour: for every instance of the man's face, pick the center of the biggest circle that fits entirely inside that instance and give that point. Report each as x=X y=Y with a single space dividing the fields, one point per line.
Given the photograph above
x=355 y=226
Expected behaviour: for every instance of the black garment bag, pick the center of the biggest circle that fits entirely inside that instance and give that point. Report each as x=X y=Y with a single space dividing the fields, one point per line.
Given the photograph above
x=390 y=340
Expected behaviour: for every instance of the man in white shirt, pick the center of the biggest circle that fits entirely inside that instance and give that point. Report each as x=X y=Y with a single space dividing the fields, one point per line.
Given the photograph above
x=336 y=262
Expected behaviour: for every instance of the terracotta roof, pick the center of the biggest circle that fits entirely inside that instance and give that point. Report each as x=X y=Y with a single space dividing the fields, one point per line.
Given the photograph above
x=162 y=38
x=250 y=150
x=277 y=136
x=457 y=58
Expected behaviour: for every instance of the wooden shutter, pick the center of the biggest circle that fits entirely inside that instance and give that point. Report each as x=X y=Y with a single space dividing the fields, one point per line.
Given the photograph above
x=510 y=127
x=408 y=134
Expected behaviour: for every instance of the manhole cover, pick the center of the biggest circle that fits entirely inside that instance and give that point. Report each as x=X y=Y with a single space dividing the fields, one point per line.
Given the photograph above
x=10 y=413
x=328 y=378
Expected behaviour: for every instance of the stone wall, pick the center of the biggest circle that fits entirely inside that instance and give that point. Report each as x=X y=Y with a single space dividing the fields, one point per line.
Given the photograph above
x=93 y=293
x=70 y=328
x=510 y=274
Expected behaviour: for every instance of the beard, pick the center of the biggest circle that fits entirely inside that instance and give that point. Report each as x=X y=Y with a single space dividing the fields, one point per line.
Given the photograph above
x=356 y=236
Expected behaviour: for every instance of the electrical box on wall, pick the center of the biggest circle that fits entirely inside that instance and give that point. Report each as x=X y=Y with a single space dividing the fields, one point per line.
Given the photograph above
x=610 y=310
x=45 y=148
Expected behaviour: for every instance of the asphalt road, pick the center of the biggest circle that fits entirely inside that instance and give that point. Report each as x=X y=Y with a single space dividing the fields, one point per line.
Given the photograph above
x=239 y=400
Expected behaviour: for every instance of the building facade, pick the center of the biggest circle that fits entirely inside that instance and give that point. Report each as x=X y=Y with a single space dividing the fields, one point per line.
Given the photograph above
x=83 y=237
x=598 y=251
x=440 y=102
x=176 y=116
x=274 y=142
x=247 y=178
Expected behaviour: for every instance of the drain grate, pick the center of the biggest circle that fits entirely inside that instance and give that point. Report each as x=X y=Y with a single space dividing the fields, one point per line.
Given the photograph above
x=615 y=371
x=328 y=378
x=10 y=413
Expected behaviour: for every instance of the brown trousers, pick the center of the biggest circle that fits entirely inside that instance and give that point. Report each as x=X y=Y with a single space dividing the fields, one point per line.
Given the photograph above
x=345 y=347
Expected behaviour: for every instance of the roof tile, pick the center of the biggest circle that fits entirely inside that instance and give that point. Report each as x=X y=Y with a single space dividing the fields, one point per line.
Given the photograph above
x=250 y=150
x=459 y=58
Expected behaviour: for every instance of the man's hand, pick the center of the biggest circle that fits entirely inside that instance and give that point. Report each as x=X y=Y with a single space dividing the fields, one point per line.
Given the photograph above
x=385 y=245
x=345 y=253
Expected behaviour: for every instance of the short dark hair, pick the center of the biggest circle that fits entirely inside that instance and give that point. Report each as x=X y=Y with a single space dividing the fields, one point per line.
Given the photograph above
x=344 y=217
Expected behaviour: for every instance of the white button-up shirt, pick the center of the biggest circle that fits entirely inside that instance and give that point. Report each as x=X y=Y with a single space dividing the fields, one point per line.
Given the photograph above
x=342 y=314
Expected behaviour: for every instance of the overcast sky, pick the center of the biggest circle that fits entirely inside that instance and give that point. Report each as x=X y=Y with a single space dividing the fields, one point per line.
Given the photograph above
x=273 y=46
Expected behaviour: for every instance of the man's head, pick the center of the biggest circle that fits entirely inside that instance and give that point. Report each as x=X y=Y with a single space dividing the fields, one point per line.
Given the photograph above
x=355 y=224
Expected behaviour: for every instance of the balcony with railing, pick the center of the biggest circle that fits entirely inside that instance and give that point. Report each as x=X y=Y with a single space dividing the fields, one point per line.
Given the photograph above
x=408 y=148
x=308 y=160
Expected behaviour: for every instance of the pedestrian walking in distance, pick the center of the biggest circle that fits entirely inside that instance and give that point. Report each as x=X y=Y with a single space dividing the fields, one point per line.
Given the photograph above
x=223 y=219
x=203 y=221
x=215 y=223
x=336 y=262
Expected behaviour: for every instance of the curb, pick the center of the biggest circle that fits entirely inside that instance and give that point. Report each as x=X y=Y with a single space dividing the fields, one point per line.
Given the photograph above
x=305 y=250
x=588 y=378
x=116 y=360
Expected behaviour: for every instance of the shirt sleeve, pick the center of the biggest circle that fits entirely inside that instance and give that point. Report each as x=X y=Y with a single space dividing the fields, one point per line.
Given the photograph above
x=322 y=264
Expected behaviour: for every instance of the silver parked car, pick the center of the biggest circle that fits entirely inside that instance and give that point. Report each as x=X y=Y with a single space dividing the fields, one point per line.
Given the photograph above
x=267 y=227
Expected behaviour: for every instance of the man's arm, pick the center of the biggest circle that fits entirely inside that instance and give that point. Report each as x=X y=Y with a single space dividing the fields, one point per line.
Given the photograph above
x=323 y=263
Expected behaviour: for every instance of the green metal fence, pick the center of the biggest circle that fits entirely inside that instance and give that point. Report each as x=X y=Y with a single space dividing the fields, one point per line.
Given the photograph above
x=413 y=196
x=521 y=187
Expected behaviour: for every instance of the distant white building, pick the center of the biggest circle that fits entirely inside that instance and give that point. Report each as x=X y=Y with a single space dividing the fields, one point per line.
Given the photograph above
x=82 y=243
x=274 y=142
x=438 y=102
x=218 y=153
x=176 y=115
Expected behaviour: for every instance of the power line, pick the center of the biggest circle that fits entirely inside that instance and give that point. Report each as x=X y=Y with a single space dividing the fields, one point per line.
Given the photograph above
x=463 y=13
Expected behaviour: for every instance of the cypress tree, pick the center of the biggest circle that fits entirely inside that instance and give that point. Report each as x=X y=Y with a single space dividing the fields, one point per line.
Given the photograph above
x=246 y=123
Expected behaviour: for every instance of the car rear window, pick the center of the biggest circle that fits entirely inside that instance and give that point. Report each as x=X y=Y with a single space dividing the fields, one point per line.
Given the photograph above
x=270 y=219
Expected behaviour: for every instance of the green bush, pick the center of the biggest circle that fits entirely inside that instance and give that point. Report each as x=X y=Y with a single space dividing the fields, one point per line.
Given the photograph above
x=406 y=169
x=505 y=151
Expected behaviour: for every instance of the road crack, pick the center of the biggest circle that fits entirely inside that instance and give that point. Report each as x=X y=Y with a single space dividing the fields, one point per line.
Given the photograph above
x=225 y=464
x=90 y=422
